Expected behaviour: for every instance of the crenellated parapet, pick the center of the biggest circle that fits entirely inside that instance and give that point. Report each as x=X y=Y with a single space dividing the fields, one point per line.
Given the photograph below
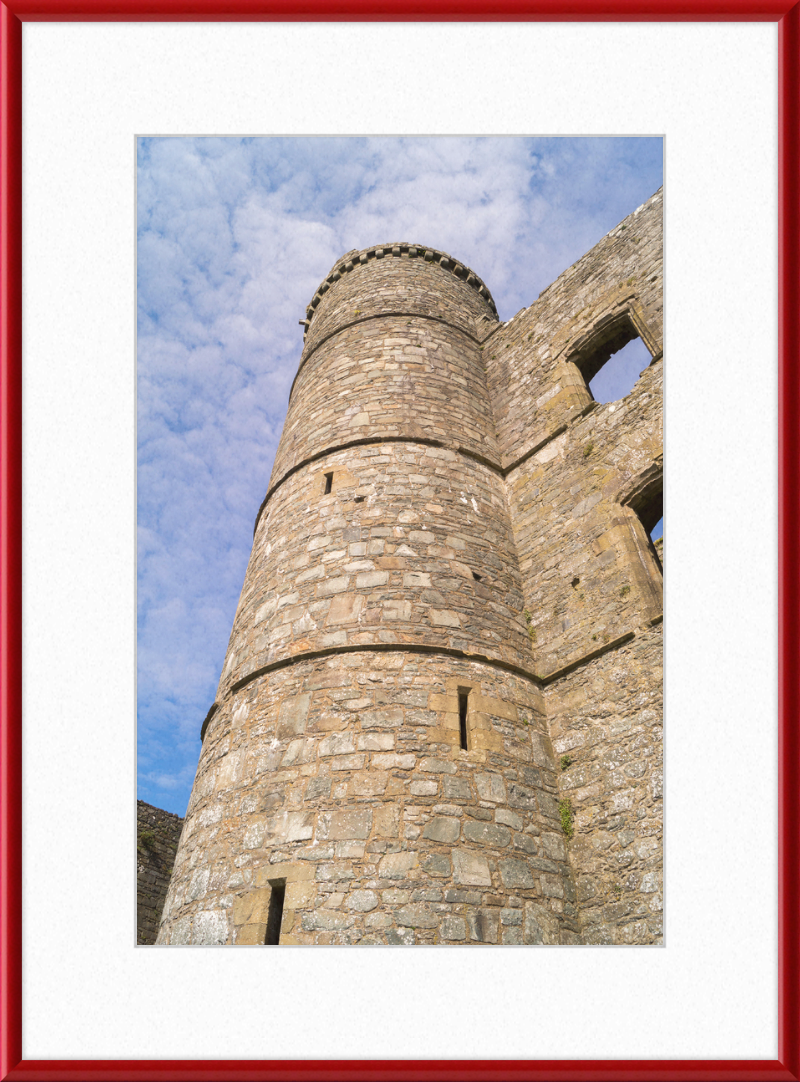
x=402 y=250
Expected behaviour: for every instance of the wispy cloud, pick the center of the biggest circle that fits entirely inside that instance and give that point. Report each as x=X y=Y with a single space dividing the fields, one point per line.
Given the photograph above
x=234 y=237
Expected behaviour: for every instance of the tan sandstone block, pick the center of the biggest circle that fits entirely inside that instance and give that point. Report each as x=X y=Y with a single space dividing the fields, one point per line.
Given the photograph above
x=345 y=609
x=443 y=736
x=289 y=872
x=497 y=707
x=444 y=618
x=251 y=907
x=476 y=719
x=443 y=703
x=486 y=741
x=251 y=935
x=287 y=922
x=343 y=478
x=369 y=782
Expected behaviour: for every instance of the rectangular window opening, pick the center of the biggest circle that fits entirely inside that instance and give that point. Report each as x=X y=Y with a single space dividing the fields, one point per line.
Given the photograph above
x=612 y=359
x=463 y=696
x=619 y=375
x=275 y=915
x=328 y=483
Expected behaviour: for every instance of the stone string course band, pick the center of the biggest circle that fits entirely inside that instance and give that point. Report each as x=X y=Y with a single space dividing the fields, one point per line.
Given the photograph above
x=439 y=716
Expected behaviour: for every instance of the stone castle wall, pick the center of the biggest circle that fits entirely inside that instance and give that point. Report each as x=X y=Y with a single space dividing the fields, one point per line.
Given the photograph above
x=437 y=721
x=157 y=834
x=605 y=722
x=344 y=775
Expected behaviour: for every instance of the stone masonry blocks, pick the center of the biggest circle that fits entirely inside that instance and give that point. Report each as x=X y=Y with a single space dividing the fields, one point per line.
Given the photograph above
x=439 y=716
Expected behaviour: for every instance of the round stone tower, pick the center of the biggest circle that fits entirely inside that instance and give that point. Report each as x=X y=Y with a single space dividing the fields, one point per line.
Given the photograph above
x=375 y=767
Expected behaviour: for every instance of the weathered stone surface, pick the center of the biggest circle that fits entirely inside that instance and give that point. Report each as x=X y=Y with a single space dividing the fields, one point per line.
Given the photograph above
x=288 y=827
x=453 y=929
x=438 y=720
x=293 y=715
x=509 y=818
x=471 y=868
x=442 y=829
x=437 y=864
x=487 y=834
x=362 y=900
x=484 y=926
x=347 y=823
x=417 y=915
x=210 y=928
x=491 y=787
x=516 y=873
x=157 y=836
x=397 y=865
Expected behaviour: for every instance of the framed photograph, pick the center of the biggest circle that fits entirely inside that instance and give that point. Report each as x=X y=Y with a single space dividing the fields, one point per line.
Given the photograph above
x=80 y=89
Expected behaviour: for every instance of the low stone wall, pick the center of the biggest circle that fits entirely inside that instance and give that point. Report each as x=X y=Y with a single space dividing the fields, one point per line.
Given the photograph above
x=157 y=835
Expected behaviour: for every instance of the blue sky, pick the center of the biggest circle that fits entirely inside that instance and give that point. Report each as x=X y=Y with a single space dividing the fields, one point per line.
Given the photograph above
x=234 y=235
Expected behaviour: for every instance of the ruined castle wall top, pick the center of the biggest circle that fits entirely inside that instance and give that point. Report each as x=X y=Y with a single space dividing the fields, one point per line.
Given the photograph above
x=533 y=381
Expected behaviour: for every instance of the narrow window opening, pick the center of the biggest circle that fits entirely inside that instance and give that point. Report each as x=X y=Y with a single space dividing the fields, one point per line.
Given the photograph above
x=328 y=482
x=463 y=696
x=476 y=576
x=275 y=915
x=360 y=499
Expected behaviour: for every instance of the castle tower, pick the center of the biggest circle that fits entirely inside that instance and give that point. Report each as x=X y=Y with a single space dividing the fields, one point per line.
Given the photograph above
x=377 y=766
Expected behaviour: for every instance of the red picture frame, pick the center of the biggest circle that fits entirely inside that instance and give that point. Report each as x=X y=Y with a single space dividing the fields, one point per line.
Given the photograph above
x=12 y=14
